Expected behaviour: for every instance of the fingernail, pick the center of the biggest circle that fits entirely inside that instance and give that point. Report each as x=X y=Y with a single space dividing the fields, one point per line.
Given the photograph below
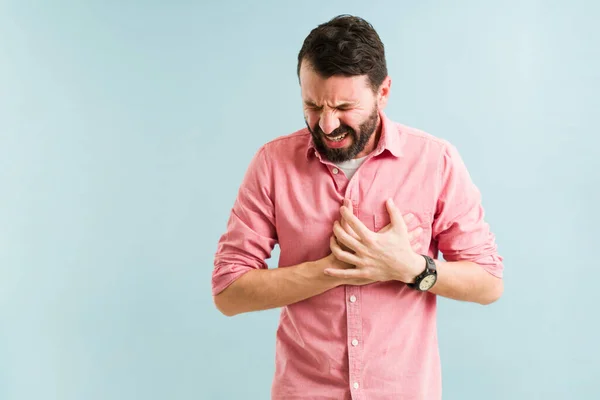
x=409 y=217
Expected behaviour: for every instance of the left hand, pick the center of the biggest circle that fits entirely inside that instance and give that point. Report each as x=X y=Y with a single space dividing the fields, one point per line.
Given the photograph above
x=383 y=256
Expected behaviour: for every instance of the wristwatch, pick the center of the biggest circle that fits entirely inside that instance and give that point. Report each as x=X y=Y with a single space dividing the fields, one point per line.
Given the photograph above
x=426 y=279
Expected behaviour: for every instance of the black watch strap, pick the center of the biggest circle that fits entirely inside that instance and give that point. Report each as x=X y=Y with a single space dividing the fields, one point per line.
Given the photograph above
x=426 y=279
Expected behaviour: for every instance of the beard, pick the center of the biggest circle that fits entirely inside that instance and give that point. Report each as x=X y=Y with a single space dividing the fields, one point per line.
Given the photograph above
x=359 y=139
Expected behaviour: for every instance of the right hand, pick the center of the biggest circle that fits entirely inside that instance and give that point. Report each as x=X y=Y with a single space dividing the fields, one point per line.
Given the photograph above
x=332 y=262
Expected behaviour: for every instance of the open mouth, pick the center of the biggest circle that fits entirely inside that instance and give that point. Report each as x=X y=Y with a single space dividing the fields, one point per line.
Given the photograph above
x=338 y=138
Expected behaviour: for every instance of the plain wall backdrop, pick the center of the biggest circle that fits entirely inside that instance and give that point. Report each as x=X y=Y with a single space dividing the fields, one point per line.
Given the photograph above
x=126 y=128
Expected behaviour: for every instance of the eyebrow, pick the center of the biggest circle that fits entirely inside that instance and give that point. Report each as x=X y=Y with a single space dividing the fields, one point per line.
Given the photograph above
x=340 y=105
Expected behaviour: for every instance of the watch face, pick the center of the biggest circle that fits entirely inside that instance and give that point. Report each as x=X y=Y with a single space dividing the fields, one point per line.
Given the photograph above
x=427 y=282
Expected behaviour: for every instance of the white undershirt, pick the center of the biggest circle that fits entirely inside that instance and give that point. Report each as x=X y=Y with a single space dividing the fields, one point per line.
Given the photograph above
x=349 y=167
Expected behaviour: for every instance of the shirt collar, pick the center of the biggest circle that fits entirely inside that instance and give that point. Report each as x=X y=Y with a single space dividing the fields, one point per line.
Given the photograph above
x=390 y=139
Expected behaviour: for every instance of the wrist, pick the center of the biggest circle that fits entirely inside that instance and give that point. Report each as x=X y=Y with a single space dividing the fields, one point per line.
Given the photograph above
x=416 y=265
x=317 y=269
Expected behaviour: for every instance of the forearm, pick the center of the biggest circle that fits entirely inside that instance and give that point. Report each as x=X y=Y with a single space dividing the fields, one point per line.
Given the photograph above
x=264 y=289
x=466 y=281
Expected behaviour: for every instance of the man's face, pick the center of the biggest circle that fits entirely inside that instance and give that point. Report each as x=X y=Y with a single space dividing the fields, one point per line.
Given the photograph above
x=341 y=113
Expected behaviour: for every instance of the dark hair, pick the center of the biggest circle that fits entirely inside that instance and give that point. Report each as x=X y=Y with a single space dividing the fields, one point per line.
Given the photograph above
x=348 y=46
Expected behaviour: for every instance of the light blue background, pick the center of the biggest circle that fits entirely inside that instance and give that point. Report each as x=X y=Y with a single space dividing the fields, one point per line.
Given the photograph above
x=126 y=127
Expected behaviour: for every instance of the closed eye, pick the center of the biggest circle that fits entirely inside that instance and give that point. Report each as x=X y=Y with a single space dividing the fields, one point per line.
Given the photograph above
x=312 y=106
x=341 y=107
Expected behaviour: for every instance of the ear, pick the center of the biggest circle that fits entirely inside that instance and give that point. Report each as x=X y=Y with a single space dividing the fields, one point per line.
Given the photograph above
x=384 y=92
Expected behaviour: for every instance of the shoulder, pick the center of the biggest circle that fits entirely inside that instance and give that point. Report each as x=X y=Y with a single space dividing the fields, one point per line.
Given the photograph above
x=286 y=147
x=417 y=137
x=416 y=144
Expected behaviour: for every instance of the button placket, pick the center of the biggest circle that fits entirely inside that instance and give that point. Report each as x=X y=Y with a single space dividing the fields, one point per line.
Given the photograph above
x=353 y=307
x=354 y=323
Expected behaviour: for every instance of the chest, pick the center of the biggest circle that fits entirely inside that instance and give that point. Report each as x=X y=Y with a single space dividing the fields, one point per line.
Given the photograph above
x=309 y=196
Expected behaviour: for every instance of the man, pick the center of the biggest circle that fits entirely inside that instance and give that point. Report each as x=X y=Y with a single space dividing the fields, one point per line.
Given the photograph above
x=360 y=207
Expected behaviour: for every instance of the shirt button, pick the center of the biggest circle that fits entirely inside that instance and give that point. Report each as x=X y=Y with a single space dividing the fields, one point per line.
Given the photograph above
x=355 y=342
x=355 y=385
x=335 y=171
x=352 y=298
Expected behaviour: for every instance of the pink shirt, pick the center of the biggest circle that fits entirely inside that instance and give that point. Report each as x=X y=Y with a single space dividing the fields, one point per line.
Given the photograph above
x=377 y=341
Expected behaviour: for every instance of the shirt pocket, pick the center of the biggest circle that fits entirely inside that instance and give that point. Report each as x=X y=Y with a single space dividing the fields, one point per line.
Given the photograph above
x=422 y=219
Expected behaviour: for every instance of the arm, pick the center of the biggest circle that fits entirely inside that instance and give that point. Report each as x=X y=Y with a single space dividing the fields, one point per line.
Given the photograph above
x=264 y=289
x=473 y=269
x=465 y=281
x=241 y=280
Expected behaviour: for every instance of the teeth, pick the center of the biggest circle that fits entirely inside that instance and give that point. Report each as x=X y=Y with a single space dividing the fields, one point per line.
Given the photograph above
x=338 y=138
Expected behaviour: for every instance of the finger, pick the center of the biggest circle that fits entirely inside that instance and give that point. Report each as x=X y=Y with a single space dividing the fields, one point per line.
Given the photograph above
x=395 y=217
x=345 y=248
x=342 y=255
x=346 y=239
x=409 y=219
x=385 y=229
x=364 y=234
x=350 y=273
x=348 y=229
x=349 y=204
x=345 y=225
x=414 y=234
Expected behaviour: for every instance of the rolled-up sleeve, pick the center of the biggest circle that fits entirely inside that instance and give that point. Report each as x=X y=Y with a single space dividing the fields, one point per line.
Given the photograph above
x=459 y=226
x=250 y=235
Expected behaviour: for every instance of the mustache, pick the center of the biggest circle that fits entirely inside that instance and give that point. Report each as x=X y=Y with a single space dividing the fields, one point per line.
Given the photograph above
x=336 y=132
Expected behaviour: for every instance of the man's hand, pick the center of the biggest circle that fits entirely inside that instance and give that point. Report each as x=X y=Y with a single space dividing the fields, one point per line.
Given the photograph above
x=382 y=256
x=347 y=227
x=332 y=263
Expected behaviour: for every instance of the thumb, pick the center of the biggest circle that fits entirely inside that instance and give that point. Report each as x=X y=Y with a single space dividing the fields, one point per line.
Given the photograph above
x=345 y=224
x=348 y=204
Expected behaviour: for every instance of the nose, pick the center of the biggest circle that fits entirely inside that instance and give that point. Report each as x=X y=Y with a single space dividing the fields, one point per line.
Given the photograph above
x=328 y=123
